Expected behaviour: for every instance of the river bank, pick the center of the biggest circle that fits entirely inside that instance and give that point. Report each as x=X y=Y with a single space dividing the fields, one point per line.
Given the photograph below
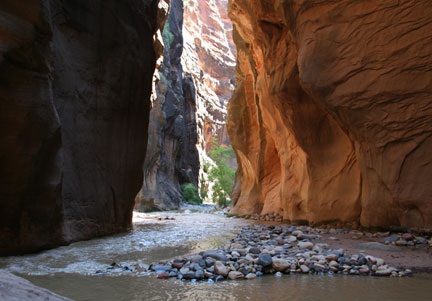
x=79 y=271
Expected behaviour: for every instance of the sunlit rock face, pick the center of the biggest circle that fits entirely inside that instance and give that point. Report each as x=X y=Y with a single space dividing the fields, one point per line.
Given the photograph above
x=75 y=83
x=209 y=57
x=192 y=87
x=172 y=156
x=332 y=114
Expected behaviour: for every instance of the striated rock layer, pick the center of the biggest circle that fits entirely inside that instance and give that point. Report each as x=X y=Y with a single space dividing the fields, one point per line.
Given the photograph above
x=172 y=156
x=209 y=58
x=75 y=82
x=332 y=114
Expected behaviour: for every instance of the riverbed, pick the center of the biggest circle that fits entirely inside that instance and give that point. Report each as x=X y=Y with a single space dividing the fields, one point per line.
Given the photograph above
x=71 y=270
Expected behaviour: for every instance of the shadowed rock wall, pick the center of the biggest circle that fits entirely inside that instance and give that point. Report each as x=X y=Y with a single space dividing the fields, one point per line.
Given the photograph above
x=332 y=114
x=75 y=82
x=172 y=156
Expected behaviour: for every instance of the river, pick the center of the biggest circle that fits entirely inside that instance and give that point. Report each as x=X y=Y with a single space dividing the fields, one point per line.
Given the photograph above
x=71 y=270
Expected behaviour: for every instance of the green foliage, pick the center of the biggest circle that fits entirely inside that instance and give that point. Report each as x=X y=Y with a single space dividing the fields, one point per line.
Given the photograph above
x=190 y=194
x=222 y=175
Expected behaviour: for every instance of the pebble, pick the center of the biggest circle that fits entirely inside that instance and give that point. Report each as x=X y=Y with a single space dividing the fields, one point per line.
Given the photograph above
x=278 y=250
x=251 y=276
x=233 y=275
x=304 y=269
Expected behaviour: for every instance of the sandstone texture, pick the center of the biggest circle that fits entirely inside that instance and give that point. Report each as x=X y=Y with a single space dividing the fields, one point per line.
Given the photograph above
x=332 y=114
x=172 y=155
x=209 y=58
x=75 y=83
x=13 y=288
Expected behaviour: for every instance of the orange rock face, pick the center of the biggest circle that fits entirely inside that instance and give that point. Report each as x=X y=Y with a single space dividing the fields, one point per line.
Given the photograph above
x=332 y=114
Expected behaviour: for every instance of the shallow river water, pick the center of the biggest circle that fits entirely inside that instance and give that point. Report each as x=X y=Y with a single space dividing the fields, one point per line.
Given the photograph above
x=70 y=270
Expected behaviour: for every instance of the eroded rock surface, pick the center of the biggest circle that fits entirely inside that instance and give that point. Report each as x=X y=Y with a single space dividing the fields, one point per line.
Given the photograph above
x=332 y=113
x=75 y=82
x=172 y=156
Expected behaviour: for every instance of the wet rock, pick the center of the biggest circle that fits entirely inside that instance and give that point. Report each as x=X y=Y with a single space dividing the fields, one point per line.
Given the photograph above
x=160 y=267
x=215 y=255
x=220 y=268
x=304 y=269
x=421 y=240
x=251 y=276
x=280 y=264
x=384 y=272
x=233 y=275
x=265 y=260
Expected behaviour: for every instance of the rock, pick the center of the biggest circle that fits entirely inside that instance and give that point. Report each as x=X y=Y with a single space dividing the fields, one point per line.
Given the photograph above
x=330 y=257
x=254 y=250
x=196 y=258
x=280 y=264
x=16 y=288
x=251 y=276
x=376 y=153
x=278 y=274
x=305 y=245
x=163 y=275
x=220 y=268
x=215 y=255
x=391 y=239
x=265 y=260
x=421 y=240
x=74 y=171
x=233 y=275
x=401 y=242
x=384 y=272
x=199 y=274
x=160 y=267
x=407 y=236
x=304 y=269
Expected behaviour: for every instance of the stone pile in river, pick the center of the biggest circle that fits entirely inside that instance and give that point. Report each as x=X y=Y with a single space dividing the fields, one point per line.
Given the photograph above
x=281 y=249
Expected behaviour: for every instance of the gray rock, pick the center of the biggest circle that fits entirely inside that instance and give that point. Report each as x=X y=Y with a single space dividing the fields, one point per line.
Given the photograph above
x=304 y=269
x=251 y=276
x=215 y=255
x=160 y=267
x=265 y=260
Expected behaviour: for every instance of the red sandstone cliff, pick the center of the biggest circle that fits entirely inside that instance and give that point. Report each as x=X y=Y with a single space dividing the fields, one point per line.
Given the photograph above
x=209 y=57
x=332 y=113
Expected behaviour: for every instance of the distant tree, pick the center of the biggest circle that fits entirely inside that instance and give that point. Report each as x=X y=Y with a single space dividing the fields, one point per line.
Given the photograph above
x=190 y=194
x=221 y=174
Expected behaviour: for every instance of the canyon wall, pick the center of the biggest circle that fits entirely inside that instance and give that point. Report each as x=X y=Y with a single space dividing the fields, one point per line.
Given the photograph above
x=192 y=88
x=172 y=156
x=332 y=114
x=209 y=57
x=75 y=83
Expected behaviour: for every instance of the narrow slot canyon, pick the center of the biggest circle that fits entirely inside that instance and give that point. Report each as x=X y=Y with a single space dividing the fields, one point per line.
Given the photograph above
x=205 y=141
